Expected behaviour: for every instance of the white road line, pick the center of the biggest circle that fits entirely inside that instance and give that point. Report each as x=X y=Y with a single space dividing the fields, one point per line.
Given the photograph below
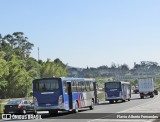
x=131 y=107
x=151 y=101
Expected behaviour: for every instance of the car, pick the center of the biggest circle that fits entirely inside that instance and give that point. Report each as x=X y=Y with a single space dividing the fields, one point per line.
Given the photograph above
x=136 y=90
x=19 y=106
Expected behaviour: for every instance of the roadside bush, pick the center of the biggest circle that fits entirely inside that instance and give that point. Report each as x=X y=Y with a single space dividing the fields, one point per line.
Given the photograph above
x=101 y=96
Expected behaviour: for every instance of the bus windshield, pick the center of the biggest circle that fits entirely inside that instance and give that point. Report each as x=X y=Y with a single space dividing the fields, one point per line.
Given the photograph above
x=46 y=85
x=112 y=85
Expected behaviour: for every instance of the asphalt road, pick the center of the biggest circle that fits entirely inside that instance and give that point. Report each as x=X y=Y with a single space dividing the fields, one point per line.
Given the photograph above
x=103 y=110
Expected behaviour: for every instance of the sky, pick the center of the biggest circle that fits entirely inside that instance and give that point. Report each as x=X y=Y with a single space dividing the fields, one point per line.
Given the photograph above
x=85 y=33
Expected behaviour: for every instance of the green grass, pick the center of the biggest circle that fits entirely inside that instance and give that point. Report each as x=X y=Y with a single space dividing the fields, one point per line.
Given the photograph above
x=1 y=110
x=1 y=106
x=4 y=100
x=101 y=96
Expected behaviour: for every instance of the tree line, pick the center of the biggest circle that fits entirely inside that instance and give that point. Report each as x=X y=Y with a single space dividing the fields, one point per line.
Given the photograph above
x=18 y=68
x=143 y=69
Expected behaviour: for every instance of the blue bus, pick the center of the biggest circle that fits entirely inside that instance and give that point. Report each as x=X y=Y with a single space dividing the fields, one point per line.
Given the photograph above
x=63 y=94
x=115 y=91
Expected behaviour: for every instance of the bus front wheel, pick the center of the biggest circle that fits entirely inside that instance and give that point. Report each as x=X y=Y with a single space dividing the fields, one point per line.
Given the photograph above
x=53 y=112
x=124 y=100
x=111 y=101
x=152 y=96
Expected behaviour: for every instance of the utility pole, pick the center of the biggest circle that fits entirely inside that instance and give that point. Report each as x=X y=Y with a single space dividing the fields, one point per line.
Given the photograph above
x=26 y=87
x=38 y=53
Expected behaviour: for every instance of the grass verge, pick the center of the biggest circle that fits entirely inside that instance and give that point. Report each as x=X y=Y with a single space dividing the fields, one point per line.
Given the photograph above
x=1 y=110
x=101 y=96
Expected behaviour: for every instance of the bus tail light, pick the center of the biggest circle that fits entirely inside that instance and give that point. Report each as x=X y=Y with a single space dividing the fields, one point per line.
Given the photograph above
x=60 y=100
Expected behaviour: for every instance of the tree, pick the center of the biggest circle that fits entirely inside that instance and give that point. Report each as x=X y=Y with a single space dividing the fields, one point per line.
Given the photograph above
x=124 y=67
x=134 y=82
x=54 y=68
x=17 y=70
x=18 y=44
x=4 y=72
x=113 y=66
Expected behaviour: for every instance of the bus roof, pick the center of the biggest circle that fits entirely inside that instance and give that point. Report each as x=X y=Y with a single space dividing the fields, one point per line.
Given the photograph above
x=69 y=78
x=122 y=82
x=80 y=79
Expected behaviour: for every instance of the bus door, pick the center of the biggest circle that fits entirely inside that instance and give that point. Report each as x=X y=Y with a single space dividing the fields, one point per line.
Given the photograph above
x=69 y=95
x=95 y=87
x=124 y=91
x=128 y=91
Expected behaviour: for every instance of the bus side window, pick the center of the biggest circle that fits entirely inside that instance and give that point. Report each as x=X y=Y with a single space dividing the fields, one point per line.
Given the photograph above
x=79 y=86
x=87 y=85
x=83 y=85
x=91 y=86
x=74 y=86
x=76 y=83
x=65 y=87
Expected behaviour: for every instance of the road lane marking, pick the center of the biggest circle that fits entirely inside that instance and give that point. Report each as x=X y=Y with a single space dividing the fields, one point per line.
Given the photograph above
x=129 y=108
x=151 y=101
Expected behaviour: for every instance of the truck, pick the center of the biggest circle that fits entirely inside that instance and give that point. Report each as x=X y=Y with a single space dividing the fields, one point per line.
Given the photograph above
x=155 y=90
x=146 y=87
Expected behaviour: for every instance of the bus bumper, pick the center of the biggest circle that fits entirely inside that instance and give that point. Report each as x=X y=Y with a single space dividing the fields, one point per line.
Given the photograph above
x=47 y=108
x=114 y=98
